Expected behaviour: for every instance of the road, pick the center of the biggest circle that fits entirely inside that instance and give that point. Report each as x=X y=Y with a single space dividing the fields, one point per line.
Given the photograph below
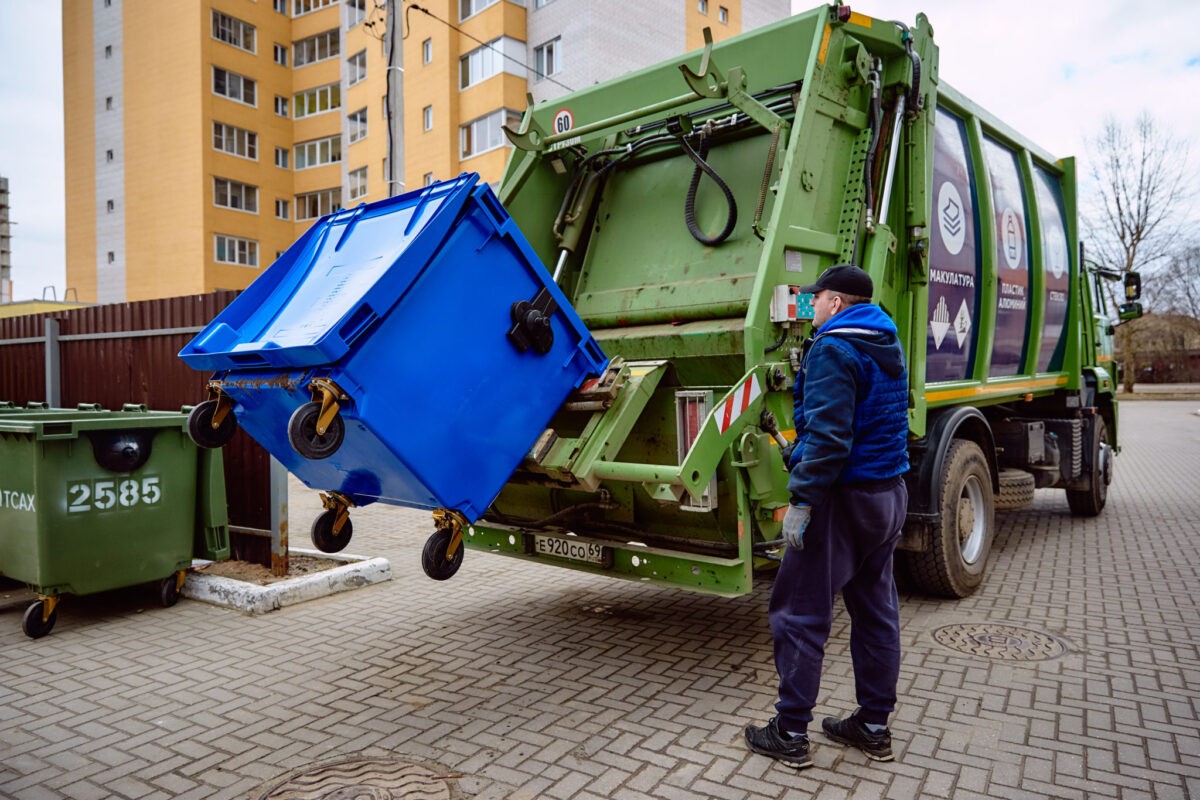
x=516 y=680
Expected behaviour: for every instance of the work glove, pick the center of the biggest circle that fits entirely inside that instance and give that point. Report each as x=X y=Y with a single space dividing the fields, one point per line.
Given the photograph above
x=795 y=521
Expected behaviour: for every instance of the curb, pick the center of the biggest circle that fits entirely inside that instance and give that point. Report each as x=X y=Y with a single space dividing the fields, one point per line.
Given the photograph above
x=251 y=598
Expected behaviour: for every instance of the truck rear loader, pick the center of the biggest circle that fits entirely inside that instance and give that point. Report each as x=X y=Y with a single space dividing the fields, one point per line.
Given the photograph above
x=679 y=207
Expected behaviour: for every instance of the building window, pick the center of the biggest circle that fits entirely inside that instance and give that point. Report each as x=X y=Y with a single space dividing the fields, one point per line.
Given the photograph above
x=484 y=62
x=318 y=204
x=356 y=11
x=427 y=117
x=319 y=152
x=280 y=6
x=108 y=51
x=483 y=134
x=281 y=54
x=428 y=179
x=702 y=6
x=540 y=3
x=281 y=104
x=356 y=67
x=108 y=156
x=547 y=58
x=231 y=194
x=281 y=208
x=110 y=205
x=235 y=141
x=301 y=7
x=723 y=14
x=316 y=48
x=235 y=250
x=234 y=86
x=469 y=8
x=358 y=183
x=357 y=125
x=108 y=104
x=234 y=31
x=112 y=257
x=317 y=101
x=427 y=51
x=281 y=157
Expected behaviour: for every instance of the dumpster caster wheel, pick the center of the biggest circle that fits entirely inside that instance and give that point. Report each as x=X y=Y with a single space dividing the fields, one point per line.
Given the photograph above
x=201 y=430
x=168 y=590
x=433 y=556
x=323 y=536
x=303 y=435
x=35 y=623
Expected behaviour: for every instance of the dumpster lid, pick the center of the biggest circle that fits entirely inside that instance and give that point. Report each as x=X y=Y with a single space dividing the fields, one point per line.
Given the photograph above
x=331 y=286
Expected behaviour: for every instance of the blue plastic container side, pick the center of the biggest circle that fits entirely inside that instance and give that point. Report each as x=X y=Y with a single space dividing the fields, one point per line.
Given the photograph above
x=442 y=405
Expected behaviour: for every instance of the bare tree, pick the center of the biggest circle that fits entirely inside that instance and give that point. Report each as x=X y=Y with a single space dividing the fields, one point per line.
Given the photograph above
x=1141 y=186
x=1176 y=287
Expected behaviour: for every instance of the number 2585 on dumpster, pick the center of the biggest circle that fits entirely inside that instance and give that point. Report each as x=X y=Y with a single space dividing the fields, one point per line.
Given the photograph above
x=105 y=494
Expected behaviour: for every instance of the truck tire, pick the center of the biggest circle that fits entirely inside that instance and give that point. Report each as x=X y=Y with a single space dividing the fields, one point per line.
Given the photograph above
x=1090 y=502
x=955 y=563
x=1016 y=489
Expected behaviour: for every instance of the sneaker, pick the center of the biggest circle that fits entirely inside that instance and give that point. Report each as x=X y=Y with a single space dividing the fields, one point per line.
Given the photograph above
x=852 y=731
x=769 y=740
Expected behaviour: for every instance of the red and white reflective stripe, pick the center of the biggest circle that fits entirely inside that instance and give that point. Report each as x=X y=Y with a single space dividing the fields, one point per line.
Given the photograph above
x=737 y=403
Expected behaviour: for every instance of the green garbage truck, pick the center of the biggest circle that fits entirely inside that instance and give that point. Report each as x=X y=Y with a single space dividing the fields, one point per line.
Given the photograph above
x=680 y=206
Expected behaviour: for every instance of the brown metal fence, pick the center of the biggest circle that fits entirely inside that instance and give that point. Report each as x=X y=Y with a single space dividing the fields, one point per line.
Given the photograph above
x=127 y=353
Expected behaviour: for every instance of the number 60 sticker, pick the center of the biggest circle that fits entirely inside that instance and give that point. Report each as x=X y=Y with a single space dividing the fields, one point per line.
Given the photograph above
x=104 y=495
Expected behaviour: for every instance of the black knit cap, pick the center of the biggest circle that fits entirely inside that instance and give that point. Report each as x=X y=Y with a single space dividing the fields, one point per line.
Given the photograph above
x=844 y=278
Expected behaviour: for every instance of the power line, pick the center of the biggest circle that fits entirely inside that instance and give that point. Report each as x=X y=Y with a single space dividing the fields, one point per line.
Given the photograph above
x=428 y=13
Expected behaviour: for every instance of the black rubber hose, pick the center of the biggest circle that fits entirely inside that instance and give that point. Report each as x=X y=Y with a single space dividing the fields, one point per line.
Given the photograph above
x=914 y=97
x=689 y=206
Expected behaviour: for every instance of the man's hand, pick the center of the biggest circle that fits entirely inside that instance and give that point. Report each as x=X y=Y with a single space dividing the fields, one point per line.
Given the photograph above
x=795 y=521
x=786 y=452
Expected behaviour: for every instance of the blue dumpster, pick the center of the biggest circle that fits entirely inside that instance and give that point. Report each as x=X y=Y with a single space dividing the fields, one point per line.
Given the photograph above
x=430 y=322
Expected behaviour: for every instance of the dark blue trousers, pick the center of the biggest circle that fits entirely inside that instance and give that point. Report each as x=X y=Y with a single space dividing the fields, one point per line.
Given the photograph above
x=848 y=548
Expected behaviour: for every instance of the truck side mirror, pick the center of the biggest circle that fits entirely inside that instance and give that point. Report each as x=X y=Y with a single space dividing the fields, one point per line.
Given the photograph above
x=1128 y=311
x=1133 y=286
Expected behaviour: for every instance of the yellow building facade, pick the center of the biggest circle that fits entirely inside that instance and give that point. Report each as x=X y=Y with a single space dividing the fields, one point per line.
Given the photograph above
x=204 y=136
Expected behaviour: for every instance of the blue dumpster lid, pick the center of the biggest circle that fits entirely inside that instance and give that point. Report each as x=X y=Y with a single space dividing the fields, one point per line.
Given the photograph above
x=331 y=286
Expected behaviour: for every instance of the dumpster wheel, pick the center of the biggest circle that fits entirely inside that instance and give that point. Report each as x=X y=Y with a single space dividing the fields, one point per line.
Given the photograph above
x=324 y=537
x=40 y=617
x=170 y=587
x=306 y=436
x=211 y=424
x=443 y=552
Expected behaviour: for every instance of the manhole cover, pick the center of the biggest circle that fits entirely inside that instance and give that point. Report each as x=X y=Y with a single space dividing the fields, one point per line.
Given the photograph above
x=1004 y=642
x=361 y=779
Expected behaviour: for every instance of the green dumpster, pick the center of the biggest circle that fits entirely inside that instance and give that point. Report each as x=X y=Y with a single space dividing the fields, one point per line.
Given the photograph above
x=93 y=500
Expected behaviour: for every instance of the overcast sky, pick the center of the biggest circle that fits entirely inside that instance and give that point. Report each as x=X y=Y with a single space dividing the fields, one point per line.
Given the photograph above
x=1051 y=70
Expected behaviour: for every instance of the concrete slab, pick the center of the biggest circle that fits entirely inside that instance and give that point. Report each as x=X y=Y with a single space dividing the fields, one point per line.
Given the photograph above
x=252 y=598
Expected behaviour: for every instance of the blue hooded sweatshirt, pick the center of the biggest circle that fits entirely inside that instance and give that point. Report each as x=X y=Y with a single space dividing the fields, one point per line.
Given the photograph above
x=851 y=405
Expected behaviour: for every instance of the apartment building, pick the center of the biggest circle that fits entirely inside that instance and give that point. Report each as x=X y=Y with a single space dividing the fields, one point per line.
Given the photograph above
x=204 y=136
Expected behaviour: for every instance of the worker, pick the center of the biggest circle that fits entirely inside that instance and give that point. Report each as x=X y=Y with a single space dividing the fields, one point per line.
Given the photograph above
x=848 y=502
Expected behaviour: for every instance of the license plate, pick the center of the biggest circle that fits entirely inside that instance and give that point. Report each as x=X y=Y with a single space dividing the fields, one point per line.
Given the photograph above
x=566 y=548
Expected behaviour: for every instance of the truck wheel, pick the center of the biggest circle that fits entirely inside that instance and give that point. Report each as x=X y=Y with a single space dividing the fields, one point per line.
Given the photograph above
x=1016 y=489
x=1090 y=502
x=954 y=566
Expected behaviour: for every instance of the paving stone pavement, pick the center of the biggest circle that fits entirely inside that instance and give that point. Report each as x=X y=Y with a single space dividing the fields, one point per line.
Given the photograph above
x=529 y=681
